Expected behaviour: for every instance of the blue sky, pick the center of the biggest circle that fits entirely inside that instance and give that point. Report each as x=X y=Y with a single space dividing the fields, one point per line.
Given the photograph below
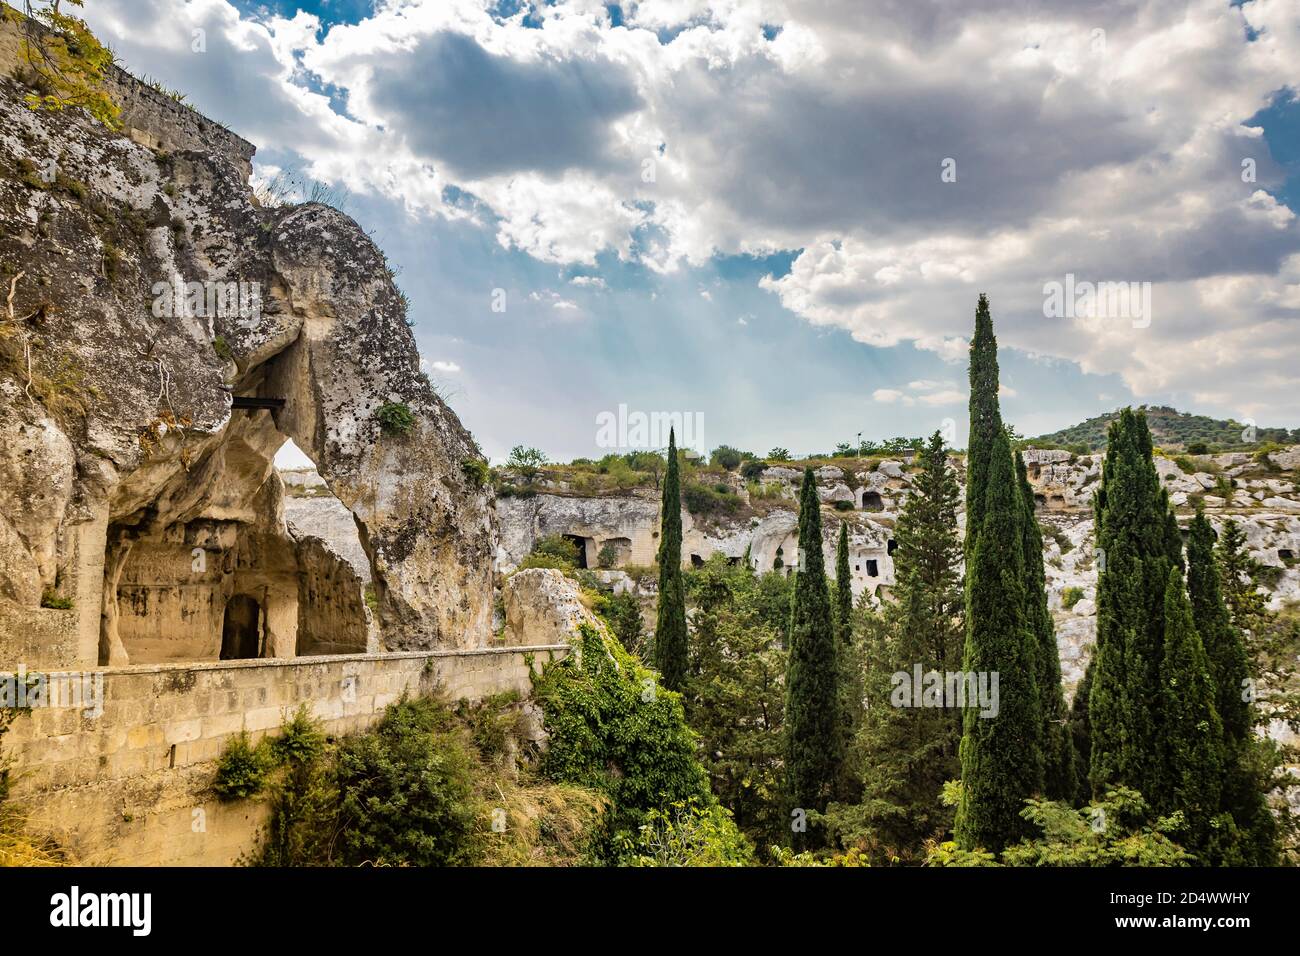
x=796 y=269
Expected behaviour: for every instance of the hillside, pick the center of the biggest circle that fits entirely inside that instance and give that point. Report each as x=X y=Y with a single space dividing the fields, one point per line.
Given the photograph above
x=1171 y=428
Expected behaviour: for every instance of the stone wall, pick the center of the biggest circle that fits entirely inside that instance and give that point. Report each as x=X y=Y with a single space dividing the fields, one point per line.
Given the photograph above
x=132 y=786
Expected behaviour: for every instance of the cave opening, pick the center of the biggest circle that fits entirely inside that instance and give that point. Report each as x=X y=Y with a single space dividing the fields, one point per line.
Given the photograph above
x=241 y=628
x=580 y=543
x=871 y=501
x=873 y=569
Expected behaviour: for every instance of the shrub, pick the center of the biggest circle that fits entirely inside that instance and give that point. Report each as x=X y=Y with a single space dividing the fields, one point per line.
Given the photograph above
x=553 y=551
x=622 y=612
x=527 y=462
x=843 y=506
x=301 y=740
x=1198 y=448
x=687 y=834
x=476 y=471
x=724 y=456
x=55 y=601
x=701 y=500
x=242 y=768
x=752 y=470
x=608 y=556
x=395 y=418
x=1071 y=596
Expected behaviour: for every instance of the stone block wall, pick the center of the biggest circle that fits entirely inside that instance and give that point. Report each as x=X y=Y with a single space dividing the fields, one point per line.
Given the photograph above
x=132 y=785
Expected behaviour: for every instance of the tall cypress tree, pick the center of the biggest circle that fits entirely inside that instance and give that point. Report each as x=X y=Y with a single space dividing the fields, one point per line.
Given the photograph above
x=1057 y=746
x=843 y=587
x=1001 y=756
x=1253 y=832
x=1136 y=549
x=1191 y=734
x=985 y=420
x=670 y=619
x=814 y=740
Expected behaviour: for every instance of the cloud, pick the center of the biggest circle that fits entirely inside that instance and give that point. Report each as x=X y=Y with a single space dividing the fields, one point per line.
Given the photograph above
x=446 y=367
x=695 y=131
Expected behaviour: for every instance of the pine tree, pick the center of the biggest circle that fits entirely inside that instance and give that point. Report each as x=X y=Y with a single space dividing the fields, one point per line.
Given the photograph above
x=1191 y=734
x=906 y=754
x=1057 y=746
x=1253 y=831
x=1237 y=572
x=813 y=729
x=1135 y=554
x=843 y=587
x=670 y=619
x=1001 y=756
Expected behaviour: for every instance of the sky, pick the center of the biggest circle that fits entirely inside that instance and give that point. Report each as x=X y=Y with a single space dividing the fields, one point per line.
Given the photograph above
x=778 y=215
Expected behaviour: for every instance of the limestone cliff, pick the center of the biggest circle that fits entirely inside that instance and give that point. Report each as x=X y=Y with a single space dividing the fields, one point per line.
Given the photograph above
x=135 y=502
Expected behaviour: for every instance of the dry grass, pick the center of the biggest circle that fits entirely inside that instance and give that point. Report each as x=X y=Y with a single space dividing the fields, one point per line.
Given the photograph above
x=21 y=847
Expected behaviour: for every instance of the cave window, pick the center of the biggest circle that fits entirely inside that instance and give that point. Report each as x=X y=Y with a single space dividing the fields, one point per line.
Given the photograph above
x=871 y=501
x=1040 y=501
x=241 y=628
x=873 y=569
x=697 y=561
x=1286 y=554
x=891 y=547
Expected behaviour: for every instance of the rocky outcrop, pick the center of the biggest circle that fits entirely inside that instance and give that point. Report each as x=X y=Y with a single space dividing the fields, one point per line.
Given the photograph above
x=123 y=464
x=542 y=606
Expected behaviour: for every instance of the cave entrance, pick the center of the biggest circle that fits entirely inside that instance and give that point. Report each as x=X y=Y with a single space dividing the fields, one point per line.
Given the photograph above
x=581 y=543
x=873 y=569
x=1286 y=554
x=697 y=561
x=871 y=501
x=1040 y=501
x=241 y=628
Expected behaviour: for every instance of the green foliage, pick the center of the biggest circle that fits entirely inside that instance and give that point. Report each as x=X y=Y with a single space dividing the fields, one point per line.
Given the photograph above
x=814 y=737
x=753 y=470
x=735 y=694
x=476 y=472
x=300 y=741
x=55 y=601
x=395 y=418
x=528 y=462
x=66 y=67
x=612 y=729
x=1169 y=427
x=704 y=500
x=1115 y=831
x=779 y=454
x=622 y=612
x=686 y=834
x=552 y=551
x=1071 y=596
x=724 y=456
x=670 y=616
x=242 y=769
x=223 y=349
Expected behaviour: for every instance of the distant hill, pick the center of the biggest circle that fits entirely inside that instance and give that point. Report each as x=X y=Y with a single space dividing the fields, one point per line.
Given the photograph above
x=1171 y=429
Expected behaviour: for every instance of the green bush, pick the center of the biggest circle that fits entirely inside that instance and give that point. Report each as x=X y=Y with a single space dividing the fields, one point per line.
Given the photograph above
x=395 y=418
x=701 y=500
x=843 y=506
x=408 y=791
x=612 y=728
x=55 y=601
x=476 y=471
x=553 y=551
x=1071 y=596
x=242 y=769
x=752 y=470
x=724 y=456
x=687 y=834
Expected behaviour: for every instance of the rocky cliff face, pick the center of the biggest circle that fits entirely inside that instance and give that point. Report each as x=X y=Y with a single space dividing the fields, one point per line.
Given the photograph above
x=143 y=293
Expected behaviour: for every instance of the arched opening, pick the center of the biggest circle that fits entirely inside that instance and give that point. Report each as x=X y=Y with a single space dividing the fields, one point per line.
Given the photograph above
x=871 y=501
x=241 y=628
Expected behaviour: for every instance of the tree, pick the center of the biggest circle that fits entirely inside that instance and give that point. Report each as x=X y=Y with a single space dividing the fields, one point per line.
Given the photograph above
x=1135 y=556
x=1237 y=572
x=65 y=63
x=724 y=456
x=527 y=461
x=904 y=755
x=1001 y=755
x=779 y=454
x=1057 y=746
x=670 y=620
x=813 y=731
x=843 y=587
x=1251 y=839
x=985 y=420
x=1191 y=734
x=735 y=695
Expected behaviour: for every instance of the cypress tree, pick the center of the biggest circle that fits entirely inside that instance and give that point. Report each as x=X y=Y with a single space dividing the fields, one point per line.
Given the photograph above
x=814 y=738
x=1191 y=734
x=1057 y=746
x=1136 y=548
x=843 y=587
x=1251 y=840
x=670 y=619
x=1001 y=756
x=985 y=419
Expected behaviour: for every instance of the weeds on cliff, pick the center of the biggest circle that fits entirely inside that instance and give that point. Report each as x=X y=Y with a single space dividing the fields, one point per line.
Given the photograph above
x=477 y=471
x=64 y=67
x=395 y=418
x=242 y=768
x=53 y=600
